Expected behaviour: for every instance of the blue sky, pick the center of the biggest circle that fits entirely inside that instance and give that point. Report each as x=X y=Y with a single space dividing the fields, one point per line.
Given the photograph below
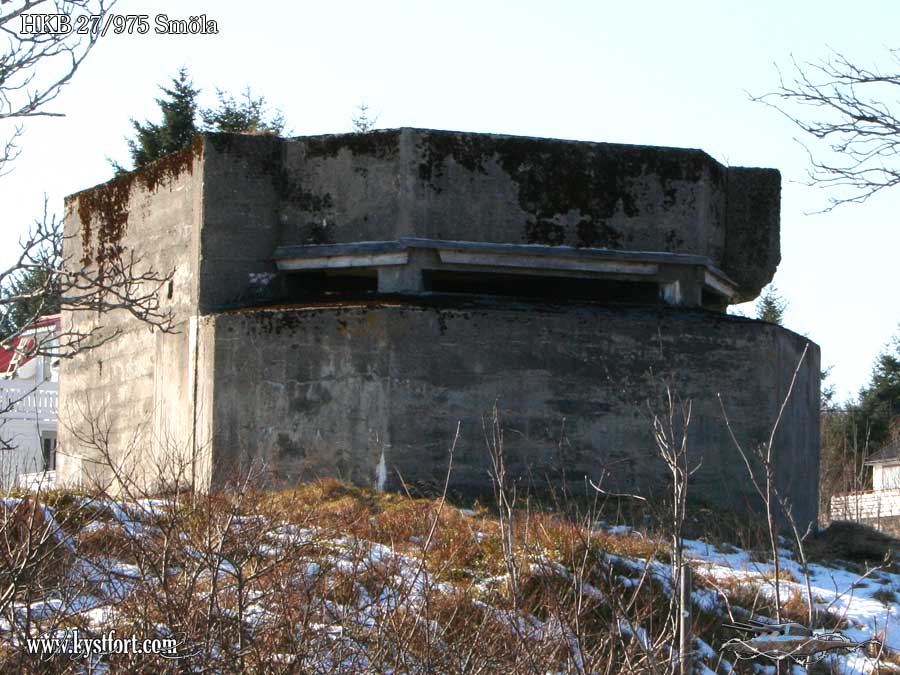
x=654 y=73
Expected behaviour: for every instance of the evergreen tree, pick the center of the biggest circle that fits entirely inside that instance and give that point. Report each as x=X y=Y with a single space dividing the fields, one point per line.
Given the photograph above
x=362 y=123
x=827 y=390
x=879 y=402
x=179 y=108
x=179 y=113
x=770 y=306
x=32 y=294
x=249 y=115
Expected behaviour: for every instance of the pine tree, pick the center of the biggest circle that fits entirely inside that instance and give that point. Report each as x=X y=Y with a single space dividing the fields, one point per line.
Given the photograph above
x=179 y=113
x=362 y=123
x=827 y=390
x=177 y=129
x=249 y=115
x=32 y=294
x=770 y=306
x=879 y=402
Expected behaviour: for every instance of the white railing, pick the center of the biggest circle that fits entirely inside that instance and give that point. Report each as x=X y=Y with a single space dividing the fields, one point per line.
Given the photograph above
x=22 y=400
x=866 y=505
x=36 y=481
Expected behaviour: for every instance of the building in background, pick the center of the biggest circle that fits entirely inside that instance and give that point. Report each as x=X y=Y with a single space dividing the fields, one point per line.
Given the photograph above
x=29 y=393
x=879 y=507
x=886 y=467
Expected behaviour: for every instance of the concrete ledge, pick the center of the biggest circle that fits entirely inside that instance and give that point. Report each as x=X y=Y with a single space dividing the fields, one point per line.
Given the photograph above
x=470 y=187
x=682 y=277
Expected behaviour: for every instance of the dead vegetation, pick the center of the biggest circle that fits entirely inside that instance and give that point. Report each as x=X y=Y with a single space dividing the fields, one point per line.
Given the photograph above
x=328 y=577
x=853 y=542
x=332 y=578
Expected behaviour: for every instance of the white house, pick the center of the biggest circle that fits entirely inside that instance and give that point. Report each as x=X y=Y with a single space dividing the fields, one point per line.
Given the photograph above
x=881 y=506
x=29 y=392
x=886 y=467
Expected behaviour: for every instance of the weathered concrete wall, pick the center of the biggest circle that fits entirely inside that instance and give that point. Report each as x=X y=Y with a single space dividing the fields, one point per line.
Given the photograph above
x=241 y=198
x=509 y=189
x=753 y=234
x=139 y=386
x=371 y=392
x=333 y=390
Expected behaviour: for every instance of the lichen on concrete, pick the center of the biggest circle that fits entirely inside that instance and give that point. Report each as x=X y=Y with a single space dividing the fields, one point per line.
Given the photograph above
x=104 y=210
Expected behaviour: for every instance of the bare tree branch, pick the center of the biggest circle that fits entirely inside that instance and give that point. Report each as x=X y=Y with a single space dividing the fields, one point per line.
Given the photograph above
x=123 y=284
x=856 y=114
x=37 y=63
x=35 y=66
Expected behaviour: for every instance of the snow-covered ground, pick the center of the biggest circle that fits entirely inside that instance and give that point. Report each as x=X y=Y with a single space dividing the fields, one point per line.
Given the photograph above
x=850 y=595
x=867 y=600
x=864 y=601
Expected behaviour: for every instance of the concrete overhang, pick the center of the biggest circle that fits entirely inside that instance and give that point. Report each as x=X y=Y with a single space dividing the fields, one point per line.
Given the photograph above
x=559 y=196
x=676 y=273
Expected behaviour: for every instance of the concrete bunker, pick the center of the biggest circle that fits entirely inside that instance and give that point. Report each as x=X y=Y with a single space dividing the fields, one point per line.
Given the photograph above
x=343 y=301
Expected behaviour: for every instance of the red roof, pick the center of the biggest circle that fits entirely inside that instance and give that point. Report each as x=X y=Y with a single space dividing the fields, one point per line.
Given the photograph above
x=48 y=320
x=8 y=352
x=8 y=349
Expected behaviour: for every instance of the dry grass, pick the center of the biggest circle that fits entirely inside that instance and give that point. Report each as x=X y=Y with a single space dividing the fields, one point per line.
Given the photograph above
x=253 y=574
x=328 y=577
x=852 y=542
x=750 y=596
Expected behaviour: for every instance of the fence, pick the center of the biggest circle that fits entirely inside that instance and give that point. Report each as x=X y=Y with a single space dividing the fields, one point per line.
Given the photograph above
x=36 y=481
x=22 y=400
x=866 y=506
